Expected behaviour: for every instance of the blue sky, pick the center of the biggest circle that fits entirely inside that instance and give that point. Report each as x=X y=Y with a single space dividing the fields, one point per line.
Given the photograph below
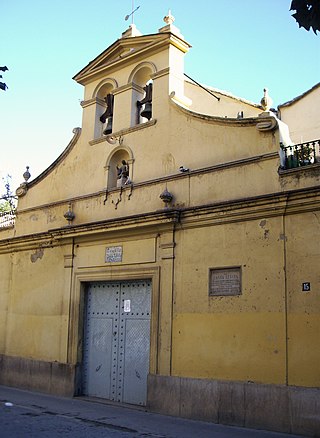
x=240 y=46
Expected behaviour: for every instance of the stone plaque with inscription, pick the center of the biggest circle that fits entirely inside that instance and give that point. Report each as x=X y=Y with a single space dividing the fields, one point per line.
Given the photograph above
x=113 y=254
x=224 y=282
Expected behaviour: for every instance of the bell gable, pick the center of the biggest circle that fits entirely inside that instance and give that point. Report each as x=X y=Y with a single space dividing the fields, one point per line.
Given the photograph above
x=125 y=51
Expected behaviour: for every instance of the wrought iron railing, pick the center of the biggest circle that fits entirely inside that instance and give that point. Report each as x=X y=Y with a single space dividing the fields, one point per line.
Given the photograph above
x=7 y=218
x=302 y=154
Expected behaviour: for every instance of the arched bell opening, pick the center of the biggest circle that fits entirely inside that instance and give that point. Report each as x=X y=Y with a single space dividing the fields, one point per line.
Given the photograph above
x=144 y=106
x=106 y=118
x=142 y=92
x=104 y=112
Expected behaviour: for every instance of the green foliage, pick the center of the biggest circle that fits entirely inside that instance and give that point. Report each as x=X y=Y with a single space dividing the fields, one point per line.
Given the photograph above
x=307 y=14
x=7 y=200
x=5 y=207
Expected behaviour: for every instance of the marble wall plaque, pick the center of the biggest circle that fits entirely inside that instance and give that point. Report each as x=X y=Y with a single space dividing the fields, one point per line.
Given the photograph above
x=113 y=254
x=226 y=281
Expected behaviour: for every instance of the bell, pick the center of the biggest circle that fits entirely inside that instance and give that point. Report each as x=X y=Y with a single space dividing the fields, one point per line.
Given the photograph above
x=108 y=128
x=147 y=111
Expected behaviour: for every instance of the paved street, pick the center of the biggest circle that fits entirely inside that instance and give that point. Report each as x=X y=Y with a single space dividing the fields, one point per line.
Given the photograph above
x=25 y=414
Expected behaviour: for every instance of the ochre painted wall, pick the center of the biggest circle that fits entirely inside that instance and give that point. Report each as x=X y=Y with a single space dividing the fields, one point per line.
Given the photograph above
x=269 y=333
x=234 y=337
x=5 y=287
x=37 y=325
x=303 y=244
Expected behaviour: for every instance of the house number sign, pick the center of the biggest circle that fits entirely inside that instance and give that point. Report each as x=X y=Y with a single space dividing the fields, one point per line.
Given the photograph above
x=306 y=287
x=113 y=254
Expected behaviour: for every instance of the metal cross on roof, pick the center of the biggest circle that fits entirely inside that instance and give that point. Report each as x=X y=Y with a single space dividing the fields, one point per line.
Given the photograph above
x=133 y=10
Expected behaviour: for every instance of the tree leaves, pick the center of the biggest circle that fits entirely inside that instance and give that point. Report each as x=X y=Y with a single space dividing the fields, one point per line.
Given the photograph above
x=7 y=200
x=3 y=86
x=307 y=14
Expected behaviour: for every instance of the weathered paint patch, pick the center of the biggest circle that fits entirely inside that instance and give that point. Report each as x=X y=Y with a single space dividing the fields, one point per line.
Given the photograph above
x=37 y=255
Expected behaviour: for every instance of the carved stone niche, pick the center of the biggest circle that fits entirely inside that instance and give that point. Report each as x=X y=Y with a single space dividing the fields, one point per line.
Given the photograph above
x=114 y=162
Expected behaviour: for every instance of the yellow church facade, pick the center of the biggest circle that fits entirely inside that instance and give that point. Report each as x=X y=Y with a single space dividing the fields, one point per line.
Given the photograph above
x=170 y=256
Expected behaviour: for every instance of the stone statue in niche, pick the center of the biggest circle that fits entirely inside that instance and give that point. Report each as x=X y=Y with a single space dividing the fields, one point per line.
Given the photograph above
x=123 y=174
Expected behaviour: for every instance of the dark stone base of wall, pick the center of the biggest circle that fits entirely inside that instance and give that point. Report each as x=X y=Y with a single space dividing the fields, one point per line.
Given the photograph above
x=50 y=377
x=278 y=408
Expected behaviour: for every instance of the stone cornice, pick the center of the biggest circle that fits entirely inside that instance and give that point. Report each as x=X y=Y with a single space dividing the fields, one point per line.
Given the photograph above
x=126 y=87
x=250 y=121
x=270 y=205
x=160 y=73
x=124 y=132
x=297 y=172
x=163 y=218
x=93 y=101
x=263 y=122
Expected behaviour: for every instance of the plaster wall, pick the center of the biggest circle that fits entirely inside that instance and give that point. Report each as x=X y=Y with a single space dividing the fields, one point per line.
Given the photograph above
x=38 y=312
x=158 y=151
x=5 y=284
x=233 y=337
x=303 y=233
x=227 y=106
x=269 y=333
x=302 y=117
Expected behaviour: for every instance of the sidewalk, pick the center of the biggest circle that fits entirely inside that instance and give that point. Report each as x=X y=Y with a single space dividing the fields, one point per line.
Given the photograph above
x=25 y=414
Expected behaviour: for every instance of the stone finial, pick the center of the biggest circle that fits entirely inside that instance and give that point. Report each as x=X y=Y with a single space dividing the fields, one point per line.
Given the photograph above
x=169 y=26
x=266 y=101
x=69 y=215
x=27 y=174
x=169 y=19
x=23 y=188
x=166 y=197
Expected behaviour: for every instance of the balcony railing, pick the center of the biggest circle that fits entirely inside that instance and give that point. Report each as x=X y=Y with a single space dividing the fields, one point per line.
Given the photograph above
x=299 y=155
x=7 y=219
